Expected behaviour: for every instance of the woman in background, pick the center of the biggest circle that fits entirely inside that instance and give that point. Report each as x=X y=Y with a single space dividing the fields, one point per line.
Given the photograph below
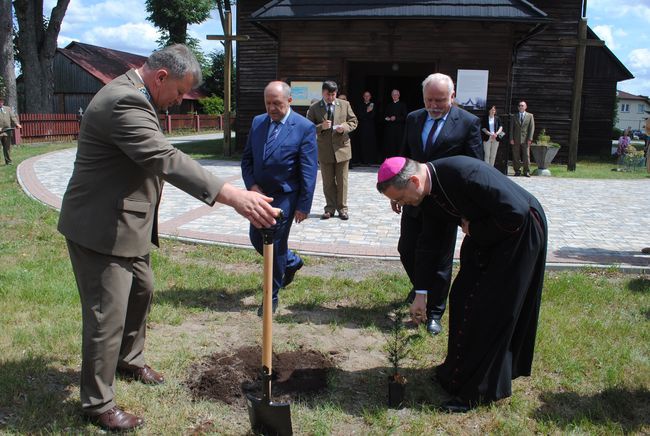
x=492 y=132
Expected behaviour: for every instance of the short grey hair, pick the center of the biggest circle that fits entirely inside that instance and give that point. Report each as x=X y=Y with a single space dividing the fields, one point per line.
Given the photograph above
x=439 y=78
x=401 y=179
x=178 y=60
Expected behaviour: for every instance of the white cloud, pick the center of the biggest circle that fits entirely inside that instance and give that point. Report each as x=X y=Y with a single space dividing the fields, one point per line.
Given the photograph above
x=620 y=8
x=139 y=38
x=89 y=11
x=640 y=59
x=605 y=33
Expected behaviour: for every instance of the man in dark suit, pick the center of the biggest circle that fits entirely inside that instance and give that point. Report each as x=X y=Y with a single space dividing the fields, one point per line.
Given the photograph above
x=109 y=218
x=334 y=121
x=496 y=296
x=438 y=130
x=522 y=129
x=281 y=160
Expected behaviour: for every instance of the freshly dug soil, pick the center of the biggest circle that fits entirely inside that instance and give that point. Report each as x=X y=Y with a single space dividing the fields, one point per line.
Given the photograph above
x=228 y=377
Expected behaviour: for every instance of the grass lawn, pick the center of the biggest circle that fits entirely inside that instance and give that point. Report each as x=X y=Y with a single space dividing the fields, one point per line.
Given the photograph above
x=591 y=373
x=595 y=168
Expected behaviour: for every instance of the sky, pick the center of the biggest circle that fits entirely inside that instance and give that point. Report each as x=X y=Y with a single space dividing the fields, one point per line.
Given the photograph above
x=624 y=25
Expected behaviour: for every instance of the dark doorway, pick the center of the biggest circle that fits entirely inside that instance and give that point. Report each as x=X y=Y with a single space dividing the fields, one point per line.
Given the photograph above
x=380 y=78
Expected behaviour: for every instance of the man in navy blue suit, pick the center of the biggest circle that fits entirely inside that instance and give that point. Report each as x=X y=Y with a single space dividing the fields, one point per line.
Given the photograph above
x=281 y=160
x=438 y=130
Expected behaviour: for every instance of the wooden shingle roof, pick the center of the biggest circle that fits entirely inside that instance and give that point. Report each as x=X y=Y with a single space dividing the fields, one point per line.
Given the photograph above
x=495 y=10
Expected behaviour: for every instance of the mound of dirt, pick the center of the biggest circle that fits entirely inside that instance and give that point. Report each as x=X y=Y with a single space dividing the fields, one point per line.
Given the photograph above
x=228 y=377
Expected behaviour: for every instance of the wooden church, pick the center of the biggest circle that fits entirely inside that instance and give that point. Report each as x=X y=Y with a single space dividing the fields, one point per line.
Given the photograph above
x=528 y=48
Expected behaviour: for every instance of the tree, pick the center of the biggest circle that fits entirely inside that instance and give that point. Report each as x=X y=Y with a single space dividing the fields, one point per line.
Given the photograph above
x=36 y=44
x=173 y=17
x=7 y=73
x=213 y=84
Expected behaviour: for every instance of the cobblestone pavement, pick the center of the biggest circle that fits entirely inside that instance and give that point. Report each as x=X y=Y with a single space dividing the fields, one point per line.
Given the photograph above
x=597 y=222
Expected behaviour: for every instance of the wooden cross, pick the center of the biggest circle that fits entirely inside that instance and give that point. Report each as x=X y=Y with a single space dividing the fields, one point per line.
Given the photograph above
x=228 y=38
x=581 y=44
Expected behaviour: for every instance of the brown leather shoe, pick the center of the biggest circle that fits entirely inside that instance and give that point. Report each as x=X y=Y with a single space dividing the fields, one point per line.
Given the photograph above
x=326 y=216
x=344 y=216
x=146 y=375
x=117 y=419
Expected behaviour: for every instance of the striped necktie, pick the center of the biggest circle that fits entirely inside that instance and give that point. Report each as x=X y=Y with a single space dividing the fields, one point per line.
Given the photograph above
x=272 y=137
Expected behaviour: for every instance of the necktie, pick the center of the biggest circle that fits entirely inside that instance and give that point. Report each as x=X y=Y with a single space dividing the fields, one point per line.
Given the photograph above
x=143 y=90
x=432 y=132
x=521 y=118
x=272 y=137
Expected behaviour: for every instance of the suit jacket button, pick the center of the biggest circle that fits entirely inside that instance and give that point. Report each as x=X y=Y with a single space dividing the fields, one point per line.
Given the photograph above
x=205 y=194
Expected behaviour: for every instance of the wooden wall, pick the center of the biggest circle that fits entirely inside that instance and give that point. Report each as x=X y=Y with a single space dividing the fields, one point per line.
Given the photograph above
x=319 y=50
x=598 y=102
x=542 y=75
x=73 y=86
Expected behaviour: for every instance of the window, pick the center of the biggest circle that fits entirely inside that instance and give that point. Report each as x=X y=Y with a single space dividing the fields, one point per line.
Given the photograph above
x=625 y=107
x=641 y=108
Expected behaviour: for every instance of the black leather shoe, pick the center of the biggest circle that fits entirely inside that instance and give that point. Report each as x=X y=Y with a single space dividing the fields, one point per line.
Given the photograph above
x=455 y=405
x=433 y=326
x=146 y=374
x=526 y=174
x=517 y=174
x=117 y=419
x=260 y=310
x=290 y=273
x=645 y=250
x=344 y=216
x=326 y=216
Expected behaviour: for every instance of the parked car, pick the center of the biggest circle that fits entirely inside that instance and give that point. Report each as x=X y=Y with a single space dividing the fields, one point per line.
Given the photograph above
x=637 y=134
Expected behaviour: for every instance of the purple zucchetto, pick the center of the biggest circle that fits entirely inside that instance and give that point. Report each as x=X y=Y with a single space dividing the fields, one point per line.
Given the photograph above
x=390 y=168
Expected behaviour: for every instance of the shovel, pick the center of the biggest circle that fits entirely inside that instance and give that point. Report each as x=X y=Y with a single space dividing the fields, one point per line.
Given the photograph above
x=267 y=417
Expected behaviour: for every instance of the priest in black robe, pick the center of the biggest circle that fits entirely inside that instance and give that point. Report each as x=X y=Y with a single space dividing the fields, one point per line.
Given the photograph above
x=495 y=298
x=394 y=117
x=365 y=141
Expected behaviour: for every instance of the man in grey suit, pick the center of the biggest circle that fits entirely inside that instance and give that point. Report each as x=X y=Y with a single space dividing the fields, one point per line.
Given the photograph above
x=522 y=128
x=109 y=219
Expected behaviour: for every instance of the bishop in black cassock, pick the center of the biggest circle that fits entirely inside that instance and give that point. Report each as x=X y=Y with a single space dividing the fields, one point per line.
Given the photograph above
x=495 y=298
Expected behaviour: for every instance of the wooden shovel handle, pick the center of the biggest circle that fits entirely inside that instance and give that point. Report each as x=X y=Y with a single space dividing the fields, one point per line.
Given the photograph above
x=267 y=316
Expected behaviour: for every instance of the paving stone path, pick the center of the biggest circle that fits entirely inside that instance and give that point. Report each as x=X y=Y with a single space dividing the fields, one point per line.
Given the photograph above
x=591 y=222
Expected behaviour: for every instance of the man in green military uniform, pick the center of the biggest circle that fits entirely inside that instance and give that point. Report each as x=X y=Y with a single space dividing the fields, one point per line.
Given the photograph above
x=8 y=120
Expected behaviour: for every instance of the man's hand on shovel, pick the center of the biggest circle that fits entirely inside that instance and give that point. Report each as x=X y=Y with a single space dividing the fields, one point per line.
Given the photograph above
x=252 y=205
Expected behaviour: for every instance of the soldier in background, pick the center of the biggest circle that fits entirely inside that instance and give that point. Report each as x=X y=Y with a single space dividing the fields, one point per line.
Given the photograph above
x=8 y=120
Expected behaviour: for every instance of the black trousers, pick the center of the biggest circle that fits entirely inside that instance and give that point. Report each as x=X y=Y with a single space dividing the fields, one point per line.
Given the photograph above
x=410 y=228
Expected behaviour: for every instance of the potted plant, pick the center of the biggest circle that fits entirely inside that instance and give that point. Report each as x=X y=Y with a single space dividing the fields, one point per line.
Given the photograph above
x=397 y=349
x=543 y=151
